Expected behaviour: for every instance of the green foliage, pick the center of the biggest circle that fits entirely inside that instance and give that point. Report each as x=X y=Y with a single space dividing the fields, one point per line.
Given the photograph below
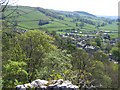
x=16 y=53
x=13 y=72
x=80 y=59
x=98 y=41
x=107 y=81
x=34 y=54
x=42 y=22
x=113 y=72
x=36 y=45
x=101 y=56
x=1 y=83
x=100 y=75
x=27 y=50
x=116 y=53
x=55 y=64
x=108 y=47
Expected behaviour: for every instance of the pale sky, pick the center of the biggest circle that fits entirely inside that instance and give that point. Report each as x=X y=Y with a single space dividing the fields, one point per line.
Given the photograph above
x=96 y=7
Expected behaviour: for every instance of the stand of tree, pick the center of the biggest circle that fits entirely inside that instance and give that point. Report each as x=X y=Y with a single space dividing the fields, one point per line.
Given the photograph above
x=43 y=22
x=35 y=54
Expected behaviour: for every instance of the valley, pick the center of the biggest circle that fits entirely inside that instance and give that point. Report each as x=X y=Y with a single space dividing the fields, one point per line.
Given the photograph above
x=72 y=48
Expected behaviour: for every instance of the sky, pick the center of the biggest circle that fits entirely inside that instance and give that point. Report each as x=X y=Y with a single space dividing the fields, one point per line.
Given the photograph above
x=96 y=7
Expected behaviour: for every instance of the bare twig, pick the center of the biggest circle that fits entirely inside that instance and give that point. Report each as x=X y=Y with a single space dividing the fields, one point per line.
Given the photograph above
x=2 y=2
x=10 y=13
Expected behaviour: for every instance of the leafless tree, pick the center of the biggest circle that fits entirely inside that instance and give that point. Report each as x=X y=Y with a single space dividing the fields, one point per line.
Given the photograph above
x=5 y=6
x=8 y=8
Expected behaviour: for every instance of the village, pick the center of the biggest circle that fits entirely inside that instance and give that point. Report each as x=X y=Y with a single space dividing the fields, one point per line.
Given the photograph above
x=83 y=41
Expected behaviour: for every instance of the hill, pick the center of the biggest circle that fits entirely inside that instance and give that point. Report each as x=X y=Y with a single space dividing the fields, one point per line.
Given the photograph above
x=76 y=46
x=110 y=17
x=60 y=21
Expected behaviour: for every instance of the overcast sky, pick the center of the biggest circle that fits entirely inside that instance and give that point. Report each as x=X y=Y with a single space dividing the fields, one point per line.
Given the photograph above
x=96 y=7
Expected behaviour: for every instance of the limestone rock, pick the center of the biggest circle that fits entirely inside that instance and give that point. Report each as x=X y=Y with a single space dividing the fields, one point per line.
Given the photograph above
x=45 y=85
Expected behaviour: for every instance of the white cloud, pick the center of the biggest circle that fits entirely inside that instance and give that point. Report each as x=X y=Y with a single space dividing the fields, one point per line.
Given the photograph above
x=97 y=7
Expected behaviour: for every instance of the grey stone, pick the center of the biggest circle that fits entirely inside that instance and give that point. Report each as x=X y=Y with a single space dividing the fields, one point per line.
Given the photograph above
x=45 y=85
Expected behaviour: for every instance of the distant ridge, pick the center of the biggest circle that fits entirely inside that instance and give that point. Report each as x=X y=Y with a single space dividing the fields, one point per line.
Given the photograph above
x=54 y=20
x=80 y=13
x=85 y=13
x=110 y=17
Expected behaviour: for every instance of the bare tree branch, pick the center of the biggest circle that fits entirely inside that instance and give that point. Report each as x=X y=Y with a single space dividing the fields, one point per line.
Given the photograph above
x=10 y=13
x=2 y=2
x=3 y=9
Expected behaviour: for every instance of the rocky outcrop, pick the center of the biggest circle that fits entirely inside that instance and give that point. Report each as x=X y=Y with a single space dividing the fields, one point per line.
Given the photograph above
x=48 y=85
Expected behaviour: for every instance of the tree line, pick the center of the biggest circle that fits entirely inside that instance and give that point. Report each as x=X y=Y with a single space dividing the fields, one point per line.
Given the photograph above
x=36 y=54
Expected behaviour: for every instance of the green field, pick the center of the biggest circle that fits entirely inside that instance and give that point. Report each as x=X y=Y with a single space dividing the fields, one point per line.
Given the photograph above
x=29 y=17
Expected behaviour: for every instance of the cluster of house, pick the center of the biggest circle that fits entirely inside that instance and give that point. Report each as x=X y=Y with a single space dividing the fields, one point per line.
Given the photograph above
x=81 y=41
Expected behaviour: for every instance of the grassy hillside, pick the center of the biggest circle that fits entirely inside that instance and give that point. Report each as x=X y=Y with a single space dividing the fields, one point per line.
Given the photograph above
x=52 y=20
